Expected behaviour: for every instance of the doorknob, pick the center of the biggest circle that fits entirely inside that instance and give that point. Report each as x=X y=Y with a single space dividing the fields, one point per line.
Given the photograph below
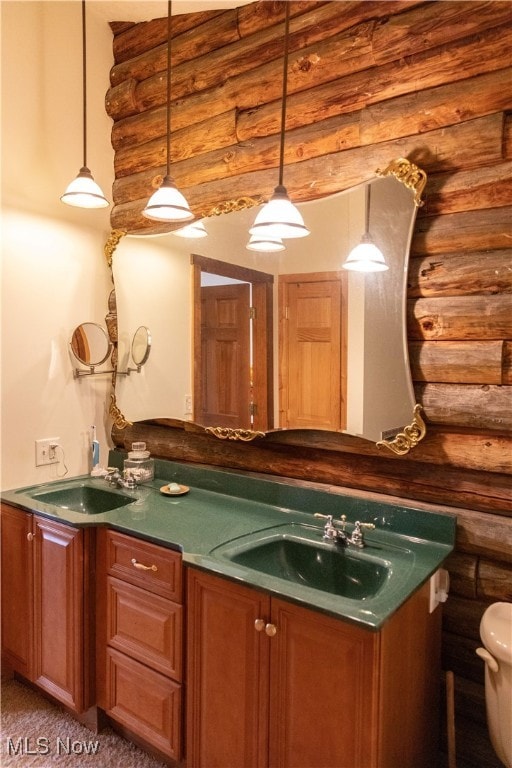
x=259 y=625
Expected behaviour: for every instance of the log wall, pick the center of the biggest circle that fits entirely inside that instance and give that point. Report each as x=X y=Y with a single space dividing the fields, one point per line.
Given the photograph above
x=368 y=82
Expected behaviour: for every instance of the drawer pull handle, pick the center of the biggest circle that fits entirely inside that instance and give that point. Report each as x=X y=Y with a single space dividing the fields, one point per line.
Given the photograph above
x=142 y=567
x=259 y=625
x=30 y=536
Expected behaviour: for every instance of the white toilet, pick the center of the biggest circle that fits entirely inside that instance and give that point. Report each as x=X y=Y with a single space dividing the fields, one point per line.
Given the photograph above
x=496 y=635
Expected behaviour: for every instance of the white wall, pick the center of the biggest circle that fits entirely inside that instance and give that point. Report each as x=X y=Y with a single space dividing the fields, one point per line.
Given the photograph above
x=53 y=271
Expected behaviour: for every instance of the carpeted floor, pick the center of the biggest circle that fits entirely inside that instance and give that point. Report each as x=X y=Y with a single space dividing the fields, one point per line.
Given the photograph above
x=37 y=734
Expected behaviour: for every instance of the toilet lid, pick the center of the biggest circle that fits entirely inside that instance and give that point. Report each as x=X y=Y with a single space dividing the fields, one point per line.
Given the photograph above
x=496 y=631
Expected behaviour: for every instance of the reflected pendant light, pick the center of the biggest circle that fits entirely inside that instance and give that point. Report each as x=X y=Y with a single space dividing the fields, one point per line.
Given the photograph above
x=195 y=229
x=366 y=257
x=83 y=192
x=167 y=203
x=279 y=218
x=265 y=244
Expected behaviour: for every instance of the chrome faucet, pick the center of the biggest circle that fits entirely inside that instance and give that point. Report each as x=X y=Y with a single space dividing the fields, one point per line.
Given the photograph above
x=126 y=480
x=340 y=536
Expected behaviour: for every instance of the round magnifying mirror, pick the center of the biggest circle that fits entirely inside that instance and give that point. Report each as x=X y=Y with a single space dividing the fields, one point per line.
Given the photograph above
x=90 y=344
x=141 y=345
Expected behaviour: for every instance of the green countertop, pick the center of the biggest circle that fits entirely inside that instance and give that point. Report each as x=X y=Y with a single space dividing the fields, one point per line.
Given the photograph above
x=222 y=506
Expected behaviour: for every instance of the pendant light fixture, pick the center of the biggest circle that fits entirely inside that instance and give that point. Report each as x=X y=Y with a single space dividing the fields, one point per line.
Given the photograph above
x=366 y=257
x=167 y=203
x=83 y=192
x=265 y=244
x=195 y=229
x=279 y=218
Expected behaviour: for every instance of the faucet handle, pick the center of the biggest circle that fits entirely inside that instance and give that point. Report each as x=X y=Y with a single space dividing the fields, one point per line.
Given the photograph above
x=357 y=537
x=329 y=529
x=368 y=526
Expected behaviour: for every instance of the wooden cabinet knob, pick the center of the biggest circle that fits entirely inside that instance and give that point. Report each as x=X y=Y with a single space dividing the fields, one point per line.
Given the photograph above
x=259 y=625
x=270 y=630
x=30 y=536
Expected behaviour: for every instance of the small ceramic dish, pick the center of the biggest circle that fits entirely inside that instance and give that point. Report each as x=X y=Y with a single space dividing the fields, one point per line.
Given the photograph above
x=181 y=489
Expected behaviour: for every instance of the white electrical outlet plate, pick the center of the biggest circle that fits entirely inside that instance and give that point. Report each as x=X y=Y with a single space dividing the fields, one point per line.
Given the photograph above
x=188 y=404
x=45 y=454
x=439 y=588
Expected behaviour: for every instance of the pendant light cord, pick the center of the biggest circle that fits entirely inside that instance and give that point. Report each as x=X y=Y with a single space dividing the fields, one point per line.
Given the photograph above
x=168 y=114
x=367 y=210
x=84 y=85
x=283 y=102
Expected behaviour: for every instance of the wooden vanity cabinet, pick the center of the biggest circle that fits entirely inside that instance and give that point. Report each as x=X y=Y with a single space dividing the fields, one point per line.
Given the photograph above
x=139 y=641
x=271 y=683
x=46 y=616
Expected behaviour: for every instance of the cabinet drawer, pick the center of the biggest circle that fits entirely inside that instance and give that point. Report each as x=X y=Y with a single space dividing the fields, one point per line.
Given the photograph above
x=147 y=627
x=145 y=702
x=146 y=565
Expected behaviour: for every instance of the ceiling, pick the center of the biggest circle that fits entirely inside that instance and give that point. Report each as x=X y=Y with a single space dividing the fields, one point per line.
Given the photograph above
x=145 y=10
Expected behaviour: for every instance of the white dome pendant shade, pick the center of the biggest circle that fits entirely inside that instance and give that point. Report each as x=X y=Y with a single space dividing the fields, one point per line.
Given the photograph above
x=83 y=191
x=366 y=256
x=167 y=203
x=265 y=244
x=194 y=230
x=279 y=218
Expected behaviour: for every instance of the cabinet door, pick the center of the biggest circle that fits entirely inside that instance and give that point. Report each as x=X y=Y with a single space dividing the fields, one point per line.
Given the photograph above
x=323 y=708
x=16 y=590
x=228 y=674
x=59 y=610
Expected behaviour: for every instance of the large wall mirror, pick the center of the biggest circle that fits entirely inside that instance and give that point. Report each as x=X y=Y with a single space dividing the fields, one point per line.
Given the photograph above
x=251 y=341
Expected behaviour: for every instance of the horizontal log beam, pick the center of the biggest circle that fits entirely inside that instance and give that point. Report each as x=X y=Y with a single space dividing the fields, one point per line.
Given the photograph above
x=457 y=447
x=197 y=140
x=468 y=190
x=460 y=274
x=304 y=144
x=463 y=362
x=435 y=24
x=485 y=535
x=460 y=318
x=466 y=231
x=466 y=449
x=189 y=42
x=143 y=37
x=252 y=82
x=467 y=405
x=371 y=86
x=461 y=146
x=426 y=110
x=494 y=580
